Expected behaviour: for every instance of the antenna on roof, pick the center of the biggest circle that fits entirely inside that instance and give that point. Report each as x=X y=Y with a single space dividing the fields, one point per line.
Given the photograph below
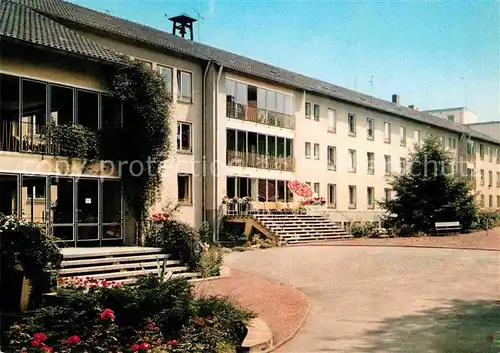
x=371 y=87
x=200 y=17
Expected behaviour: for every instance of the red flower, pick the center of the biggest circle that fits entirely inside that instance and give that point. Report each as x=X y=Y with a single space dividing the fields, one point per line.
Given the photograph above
x=36 y=342
x=135 y=347
x=145 y=346
x=490 y=338
x=107 y=314
x=73 y=340
x=47 y=349
x=172 y=342
x=160 y=216
x=40 y=336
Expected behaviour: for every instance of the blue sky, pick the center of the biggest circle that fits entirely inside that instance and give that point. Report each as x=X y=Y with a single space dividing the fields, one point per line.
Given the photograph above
x=431 y=53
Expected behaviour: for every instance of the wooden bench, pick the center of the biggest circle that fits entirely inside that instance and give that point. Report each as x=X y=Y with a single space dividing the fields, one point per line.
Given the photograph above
x=447 y=227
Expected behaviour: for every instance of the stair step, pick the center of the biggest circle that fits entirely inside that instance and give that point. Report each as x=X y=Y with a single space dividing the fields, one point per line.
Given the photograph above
x=97 y=261
x=125 y=274
x=305 y=239
x=83 y=253
x=114 y=267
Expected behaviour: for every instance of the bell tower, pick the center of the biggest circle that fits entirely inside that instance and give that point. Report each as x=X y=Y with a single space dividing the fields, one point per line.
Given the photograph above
x=183 y=24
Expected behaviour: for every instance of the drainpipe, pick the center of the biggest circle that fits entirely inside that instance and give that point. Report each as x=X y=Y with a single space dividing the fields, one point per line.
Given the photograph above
x=216 y=159
x=204 y=143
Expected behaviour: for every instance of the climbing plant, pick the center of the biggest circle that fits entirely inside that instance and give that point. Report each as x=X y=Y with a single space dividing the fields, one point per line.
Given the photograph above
x=145 y=137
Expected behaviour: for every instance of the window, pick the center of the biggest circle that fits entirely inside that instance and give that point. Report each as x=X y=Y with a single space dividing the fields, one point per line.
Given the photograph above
x=88 y=109
x=352 y=196
x=351 y=121
x=184 y=137
x=184 y=194
x=490 y=178
x=416 y=137
x=185 y=86
x=498 y=179
x=61 y=104
x=490 y=154
x=481 y=203
x=352 y=161
x=316 y=112
x=402 y=135
x=332 y=157
x=387 y=160
x=308 y=110
x=370 y=129
x=111 y=209
x=316 y=189
x=498 y=155
x=454 y=143
x=332 y=196
x=481 y=151
x=33 y=199
x=387 y=132
x=490 y=201
x=451 y=117
x=471 y=149
x=387 y=194
x=482 y=176
x=166 y=73
x=370 y=157
x=332 y=120
x=442 y=141
x=308 y=150
x=498 y=201
x=9 y=191
x=370 y=195
x=402 y=164
x=316 y=151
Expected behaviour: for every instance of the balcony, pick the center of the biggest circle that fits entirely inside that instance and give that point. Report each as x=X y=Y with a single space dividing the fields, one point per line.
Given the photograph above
x=26 y=137
x=260 y=161
x=259 y=115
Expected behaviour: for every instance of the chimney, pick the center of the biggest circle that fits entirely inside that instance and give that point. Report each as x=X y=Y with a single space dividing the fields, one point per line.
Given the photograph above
x=183 y=23
x=412 y=106
x=395 y=99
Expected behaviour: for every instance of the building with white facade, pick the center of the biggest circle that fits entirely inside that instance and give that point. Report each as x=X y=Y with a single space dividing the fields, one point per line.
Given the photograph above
x=244 y=128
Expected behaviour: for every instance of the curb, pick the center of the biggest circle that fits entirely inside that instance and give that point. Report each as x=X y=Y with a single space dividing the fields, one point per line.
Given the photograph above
x=403 y=246
x=259 y=337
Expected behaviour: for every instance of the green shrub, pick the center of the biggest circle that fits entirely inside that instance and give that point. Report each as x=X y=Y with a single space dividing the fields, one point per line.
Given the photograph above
x=177 y=238
x=204 y=233
x=210 y=262
x=26 y=244
x=487 y=220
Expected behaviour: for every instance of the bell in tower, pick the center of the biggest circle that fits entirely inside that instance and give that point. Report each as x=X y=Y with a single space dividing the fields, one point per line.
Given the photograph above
x=182 y=24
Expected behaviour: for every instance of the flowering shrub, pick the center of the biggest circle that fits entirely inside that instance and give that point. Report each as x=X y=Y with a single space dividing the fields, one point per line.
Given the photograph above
x=236 y=200
x=314 y=201
x=151 y=317
x=86 y=284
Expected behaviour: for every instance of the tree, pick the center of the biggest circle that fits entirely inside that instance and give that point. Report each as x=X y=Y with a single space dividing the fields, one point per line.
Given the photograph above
x=430 y=192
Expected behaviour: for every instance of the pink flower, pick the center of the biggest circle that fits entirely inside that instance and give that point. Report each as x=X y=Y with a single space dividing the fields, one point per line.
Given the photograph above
x=172 y=342
x=135 y=347
x=73 y=340
x=107 y=314
x=145 y=346
x=47 y=349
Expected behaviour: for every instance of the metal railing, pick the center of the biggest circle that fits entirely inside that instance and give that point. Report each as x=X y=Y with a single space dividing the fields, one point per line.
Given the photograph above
x=259 y=115
x=260 y=161
x=26 y=137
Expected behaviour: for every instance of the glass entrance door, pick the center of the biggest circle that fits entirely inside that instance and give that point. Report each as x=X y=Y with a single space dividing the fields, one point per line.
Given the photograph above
x=62 y=209
x=87 y=210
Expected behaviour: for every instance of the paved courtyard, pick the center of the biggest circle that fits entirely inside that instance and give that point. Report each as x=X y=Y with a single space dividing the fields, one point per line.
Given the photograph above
x=386 y=299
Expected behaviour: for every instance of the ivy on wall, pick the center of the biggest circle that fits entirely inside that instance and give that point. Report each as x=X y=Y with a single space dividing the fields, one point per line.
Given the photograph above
x=144 y=140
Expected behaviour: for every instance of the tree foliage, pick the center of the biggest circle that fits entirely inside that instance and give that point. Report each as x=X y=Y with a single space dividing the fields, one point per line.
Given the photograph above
x=430 y=192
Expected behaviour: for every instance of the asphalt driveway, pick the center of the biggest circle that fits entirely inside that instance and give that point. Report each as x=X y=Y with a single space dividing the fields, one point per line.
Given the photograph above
x=382 y=299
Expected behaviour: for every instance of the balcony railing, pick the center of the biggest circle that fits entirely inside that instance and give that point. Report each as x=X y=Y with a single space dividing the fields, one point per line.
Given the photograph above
x=261 y=161
x=26 y=137
x=259 y=115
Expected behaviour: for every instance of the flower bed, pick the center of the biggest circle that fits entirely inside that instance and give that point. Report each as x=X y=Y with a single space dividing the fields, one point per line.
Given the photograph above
x=151 y=316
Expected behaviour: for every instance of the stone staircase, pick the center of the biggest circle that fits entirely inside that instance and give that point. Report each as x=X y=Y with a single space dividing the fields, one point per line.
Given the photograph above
x=301 y=228
x=122 y=264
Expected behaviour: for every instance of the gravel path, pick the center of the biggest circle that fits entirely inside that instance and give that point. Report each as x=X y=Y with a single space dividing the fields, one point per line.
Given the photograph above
x=379 y=299
x=282 y=307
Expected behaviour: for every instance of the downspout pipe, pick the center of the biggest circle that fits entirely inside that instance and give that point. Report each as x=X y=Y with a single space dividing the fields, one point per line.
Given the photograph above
x=204 y=142
x=216 y=159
